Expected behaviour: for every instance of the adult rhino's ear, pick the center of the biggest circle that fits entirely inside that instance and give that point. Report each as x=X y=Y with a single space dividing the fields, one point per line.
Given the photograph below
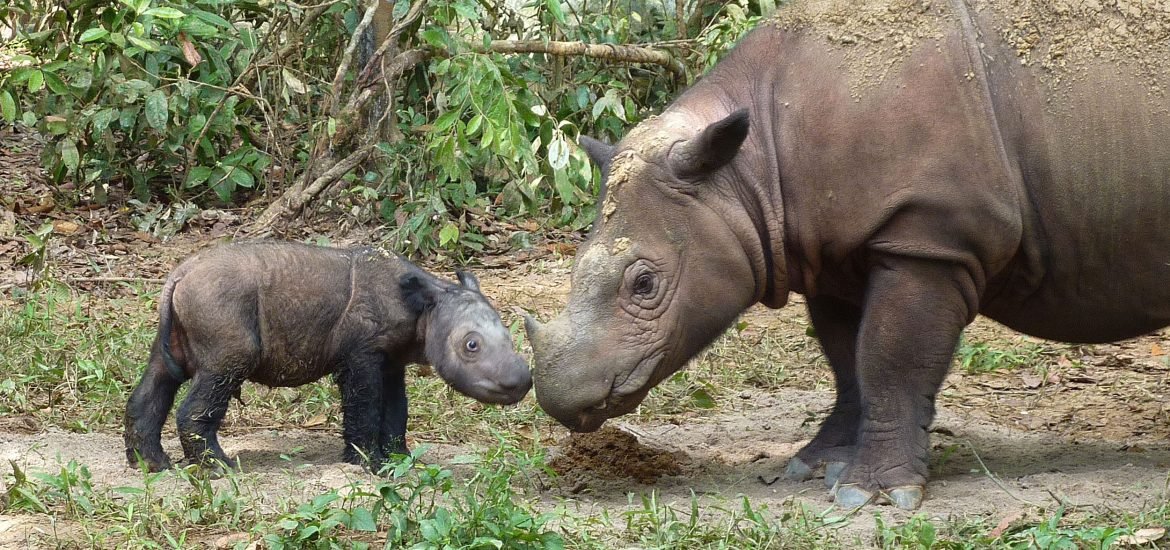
x=712 y=148
x=599 y=152
x=467 y=280
x=418 y=294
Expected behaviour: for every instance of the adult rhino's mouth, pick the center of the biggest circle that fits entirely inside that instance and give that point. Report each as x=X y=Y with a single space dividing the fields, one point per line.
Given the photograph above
x=624 y=396
x=636 y=379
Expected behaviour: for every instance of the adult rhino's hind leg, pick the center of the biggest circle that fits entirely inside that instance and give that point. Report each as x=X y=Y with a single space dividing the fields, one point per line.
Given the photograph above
x=915 y=310
x=146 y=412
x=836 y=323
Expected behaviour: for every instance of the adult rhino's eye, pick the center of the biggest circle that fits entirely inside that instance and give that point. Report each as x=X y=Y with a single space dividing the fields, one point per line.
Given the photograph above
x=644 y=284
x=472 y=345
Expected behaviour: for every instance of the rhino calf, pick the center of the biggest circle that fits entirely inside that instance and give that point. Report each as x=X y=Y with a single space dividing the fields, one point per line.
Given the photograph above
x=286 y=314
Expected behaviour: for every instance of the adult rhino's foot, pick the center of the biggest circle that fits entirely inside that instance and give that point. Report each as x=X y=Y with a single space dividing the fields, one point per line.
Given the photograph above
x=812 y=462
x=897 y=481
x=799 y=470
x=853 y=496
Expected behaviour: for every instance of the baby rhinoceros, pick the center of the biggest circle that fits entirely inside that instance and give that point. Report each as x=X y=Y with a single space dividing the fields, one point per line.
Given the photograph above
x=287 y=314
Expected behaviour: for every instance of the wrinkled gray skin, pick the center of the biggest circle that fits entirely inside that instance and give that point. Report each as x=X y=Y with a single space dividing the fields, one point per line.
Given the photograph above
x=958 y=186
x=286 y=314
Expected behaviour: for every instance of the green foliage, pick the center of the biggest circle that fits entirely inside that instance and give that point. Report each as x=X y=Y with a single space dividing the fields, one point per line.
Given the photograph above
x=187 y=101
x=981 y=357
x=145 y=93
x=1054 y=532
x=419 y=507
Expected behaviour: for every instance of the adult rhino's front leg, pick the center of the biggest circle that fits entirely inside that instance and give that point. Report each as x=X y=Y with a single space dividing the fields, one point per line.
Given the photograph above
x=913 y=315
x=836 y=323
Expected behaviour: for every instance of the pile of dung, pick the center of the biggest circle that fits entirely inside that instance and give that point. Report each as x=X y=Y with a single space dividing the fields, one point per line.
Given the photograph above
x=613 y=454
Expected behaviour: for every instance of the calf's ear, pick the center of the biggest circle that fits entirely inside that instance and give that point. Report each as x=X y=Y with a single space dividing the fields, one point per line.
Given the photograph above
x=417 y=293
x=712 y=148
x=467 y=280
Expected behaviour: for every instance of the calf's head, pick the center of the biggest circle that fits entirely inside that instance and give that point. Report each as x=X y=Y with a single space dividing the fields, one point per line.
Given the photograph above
x=466 y=341
x=663 y=273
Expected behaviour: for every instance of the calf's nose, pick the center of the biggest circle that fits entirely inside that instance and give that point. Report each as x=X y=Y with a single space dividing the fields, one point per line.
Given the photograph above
x=517 y=379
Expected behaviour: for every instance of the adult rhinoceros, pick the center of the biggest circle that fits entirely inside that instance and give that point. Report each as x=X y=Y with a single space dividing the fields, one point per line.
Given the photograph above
x=904 y=166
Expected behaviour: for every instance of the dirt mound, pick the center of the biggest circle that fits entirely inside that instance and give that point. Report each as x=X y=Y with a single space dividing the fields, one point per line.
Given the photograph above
x=613 y=454
x=1061 y=36
x=874 y=37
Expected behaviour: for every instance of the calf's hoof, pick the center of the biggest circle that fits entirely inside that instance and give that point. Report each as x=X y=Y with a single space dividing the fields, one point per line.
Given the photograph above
x=153 y=464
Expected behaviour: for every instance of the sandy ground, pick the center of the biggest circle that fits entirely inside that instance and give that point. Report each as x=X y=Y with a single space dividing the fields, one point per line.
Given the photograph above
x=737 y=451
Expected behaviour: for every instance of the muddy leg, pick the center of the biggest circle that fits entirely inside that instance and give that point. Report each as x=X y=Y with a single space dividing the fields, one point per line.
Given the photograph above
x=392 y=434
x=836 y=323
x=146 y=411
x=201 y=414
x=914 y=313
x=361 y=385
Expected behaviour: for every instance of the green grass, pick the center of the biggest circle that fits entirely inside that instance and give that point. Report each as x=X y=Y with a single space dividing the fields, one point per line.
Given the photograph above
x=975 y=356
x=1058 y=528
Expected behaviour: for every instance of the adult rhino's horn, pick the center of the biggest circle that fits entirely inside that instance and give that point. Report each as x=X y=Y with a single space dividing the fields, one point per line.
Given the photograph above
x=712 y=148
x=532 y=327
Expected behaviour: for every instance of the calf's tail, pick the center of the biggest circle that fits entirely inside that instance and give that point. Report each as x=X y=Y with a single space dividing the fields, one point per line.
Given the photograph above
x=165 y=326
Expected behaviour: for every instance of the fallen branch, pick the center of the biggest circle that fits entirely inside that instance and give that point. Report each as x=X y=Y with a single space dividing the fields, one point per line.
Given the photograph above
x=152 y=280
x=610 y=52
x=293 y=201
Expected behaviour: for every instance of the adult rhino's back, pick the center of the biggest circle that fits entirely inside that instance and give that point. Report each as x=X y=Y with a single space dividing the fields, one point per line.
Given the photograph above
x=1079 y=93
x=1075 y=96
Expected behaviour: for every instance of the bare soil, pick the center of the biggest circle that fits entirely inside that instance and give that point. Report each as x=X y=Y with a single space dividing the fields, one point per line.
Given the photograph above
x=1081 y=425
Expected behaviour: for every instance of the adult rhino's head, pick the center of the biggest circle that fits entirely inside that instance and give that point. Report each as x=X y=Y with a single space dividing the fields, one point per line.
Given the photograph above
x=666 y=269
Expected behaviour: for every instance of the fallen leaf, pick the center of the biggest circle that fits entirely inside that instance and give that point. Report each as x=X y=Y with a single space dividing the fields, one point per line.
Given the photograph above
x=7 y=223
x=230 y=541
x=1005 y=523
x=46 y=205
x=189 y=52
x=1031 y=380
x=315 y=420
x=1156 y=350
x=63 y=227
x=1142 y=536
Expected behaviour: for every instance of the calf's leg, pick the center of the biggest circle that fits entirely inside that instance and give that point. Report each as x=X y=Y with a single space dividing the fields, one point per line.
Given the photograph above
x=361 y=385
x=201 y=414
x=222 y=366
x=392 y=434
x=147 y=410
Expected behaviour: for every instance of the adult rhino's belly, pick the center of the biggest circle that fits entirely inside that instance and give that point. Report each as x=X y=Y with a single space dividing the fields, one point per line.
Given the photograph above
x=1072 y=309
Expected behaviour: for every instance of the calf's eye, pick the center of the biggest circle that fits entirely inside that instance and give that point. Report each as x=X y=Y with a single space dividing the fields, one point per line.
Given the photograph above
x=472 y=345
